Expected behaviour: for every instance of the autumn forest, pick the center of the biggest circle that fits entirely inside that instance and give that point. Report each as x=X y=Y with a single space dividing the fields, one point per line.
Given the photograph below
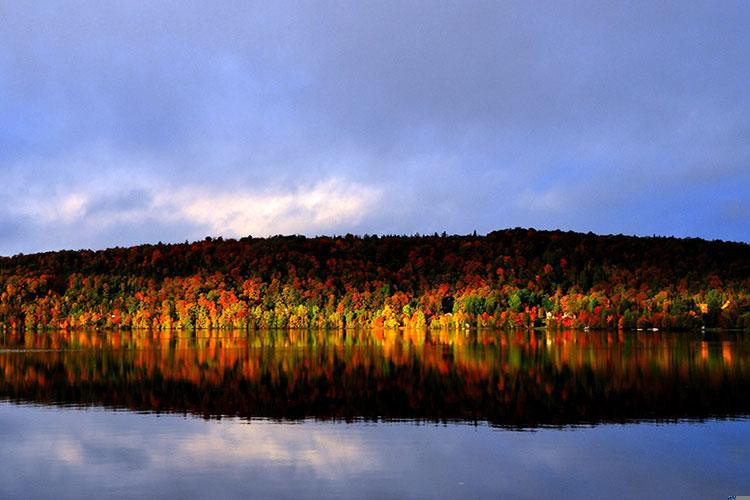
x=510 y=279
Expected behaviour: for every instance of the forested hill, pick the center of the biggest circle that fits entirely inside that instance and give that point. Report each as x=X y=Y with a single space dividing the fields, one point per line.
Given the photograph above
x=510 y=279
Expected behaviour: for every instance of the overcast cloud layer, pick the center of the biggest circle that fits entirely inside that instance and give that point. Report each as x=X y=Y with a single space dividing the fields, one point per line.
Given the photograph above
x=129 y=122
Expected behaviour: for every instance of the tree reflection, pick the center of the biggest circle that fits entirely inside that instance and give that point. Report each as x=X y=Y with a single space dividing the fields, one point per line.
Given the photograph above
x=519 y=379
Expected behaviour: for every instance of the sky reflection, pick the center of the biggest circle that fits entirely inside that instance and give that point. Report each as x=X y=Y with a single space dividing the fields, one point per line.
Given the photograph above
x=54 y=452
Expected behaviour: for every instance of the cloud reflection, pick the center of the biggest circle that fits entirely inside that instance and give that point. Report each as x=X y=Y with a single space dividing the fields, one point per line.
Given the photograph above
x=54 y=453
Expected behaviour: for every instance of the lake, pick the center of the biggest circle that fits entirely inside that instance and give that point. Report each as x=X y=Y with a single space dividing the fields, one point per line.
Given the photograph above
x=374 y=414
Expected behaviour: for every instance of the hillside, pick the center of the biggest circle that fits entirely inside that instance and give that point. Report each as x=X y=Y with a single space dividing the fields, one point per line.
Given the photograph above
x=508 y=279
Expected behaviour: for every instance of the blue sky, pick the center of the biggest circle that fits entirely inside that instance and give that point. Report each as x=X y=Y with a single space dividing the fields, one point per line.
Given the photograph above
x=130 y=122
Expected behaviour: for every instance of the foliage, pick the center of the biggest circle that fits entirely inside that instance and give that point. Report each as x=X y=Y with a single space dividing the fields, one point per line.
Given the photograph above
x=508 y=279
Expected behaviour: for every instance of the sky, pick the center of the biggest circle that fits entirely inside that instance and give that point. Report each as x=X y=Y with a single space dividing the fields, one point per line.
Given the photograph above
x=132 y=122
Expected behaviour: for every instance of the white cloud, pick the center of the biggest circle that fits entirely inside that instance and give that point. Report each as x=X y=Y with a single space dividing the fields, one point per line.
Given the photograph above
x=67 y=208
x=73 y=206
x=138 y=199
x=332 y=205
x=325 y=206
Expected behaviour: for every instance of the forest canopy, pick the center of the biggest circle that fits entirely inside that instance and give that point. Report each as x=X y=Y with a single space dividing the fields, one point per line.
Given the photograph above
x=516 y=278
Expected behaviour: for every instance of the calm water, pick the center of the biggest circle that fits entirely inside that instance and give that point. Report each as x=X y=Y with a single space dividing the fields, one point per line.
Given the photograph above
x=376 y=415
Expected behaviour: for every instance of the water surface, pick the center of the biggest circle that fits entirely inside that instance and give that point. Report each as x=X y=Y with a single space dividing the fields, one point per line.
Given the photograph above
x=375 y=414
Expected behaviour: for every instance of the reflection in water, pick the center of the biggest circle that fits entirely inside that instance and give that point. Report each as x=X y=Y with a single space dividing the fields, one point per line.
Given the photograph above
x=516 y=379
x=70 y=453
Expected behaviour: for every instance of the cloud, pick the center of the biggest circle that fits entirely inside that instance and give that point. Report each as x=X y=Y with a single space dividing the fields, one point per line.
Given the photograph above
x=324 y=206
x=129 y=204
x=328 y=206
x=452 y=118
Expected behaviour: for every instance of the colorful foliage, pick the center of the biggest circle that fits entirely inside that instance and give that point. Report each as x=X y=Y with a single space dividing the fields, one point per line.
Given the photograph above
x=508 y=279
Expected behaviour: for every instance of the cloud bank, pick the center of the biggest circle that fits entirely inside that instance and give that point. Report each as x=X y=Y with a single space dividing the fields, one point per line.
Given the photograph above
x=124 y=123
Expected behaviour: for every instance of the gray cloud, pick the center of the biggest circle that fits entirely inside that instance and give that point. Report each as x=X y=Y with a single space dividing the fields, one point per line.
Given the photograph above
x=579 y=115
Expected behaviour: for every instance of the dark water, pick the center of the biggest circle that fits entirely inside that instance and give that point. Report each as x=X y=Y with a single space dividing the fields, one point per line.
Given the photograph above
x=376 y=415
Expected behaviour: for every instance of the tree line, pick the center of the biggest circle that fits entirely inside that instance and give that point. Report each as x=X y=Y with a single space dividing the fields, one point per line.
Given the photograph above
x=511 y=279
